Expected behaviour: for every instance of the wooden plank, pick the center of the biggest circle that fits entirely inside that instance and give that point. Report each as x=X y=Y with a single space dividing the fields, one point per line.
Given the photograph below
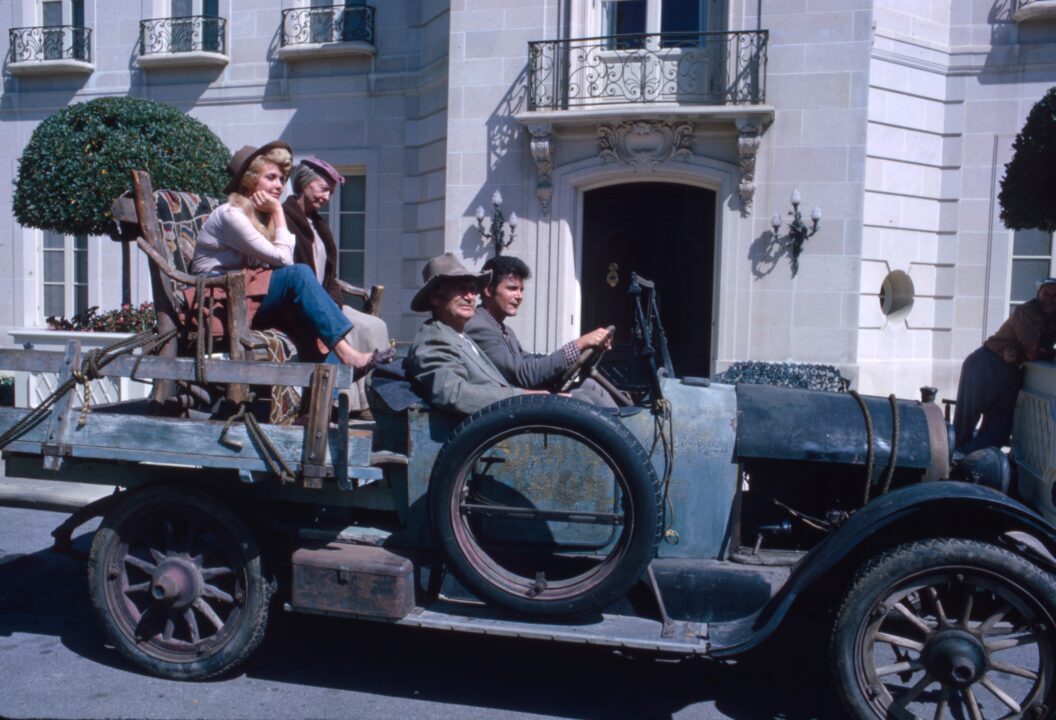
x=186 y=442
x=221 y=371
x=314 y=461
x=54 y=446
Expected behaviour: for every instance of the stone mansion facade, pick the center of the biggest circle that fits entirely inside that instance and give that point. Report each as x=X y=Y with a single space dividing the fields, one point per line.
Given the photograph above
x=652 y=136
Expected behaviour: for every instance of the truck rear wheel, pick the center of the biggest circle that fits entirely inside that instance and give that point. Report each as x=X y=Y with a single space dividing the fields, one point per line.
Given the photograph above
x=947 y=628
x=176 y=580
x=545 y=506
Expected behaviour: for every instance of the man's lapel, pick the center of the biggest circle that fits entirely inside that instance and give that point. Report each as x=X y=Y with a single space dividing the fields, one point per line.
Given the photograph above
x=477 y=359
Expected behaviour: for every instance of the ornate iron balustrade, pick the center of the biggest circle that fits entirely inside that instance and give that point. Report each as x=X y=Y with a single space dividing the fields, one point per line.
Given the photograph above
x=54 y=42
x=687 y=68
x=183 y=34
x=337 y=23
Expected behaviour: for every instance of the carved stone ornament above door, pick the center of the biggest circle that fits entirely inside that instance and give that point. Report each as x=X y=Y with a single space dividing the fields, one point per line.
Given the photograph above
x=542 y=142
x=748 y=140
x=645 y=144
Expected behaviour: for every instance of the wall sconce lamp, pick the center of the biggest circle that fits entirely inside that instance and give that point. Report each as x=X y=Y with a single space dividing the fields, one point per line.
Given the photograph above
x=798 y=232
x=498 y=224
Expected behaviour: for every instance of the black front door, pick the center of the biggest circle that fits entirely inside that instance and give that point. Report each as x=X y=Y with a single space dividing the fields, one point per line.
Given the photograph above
x=666 y=233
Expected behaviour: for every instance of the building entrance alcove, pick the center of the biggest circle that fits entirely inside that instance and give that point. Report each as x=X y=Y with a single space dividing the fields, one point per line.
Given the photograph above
x=664 y=232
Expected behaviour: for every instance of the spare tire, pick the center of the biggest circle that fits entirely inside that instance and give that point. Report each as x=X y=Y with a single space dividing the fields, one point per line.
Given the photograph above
x=546 y=506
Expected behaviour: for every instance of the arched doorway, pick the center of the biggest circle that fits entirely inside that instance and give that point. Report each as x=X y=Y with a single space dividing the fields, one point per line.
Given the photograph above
x=666 y=233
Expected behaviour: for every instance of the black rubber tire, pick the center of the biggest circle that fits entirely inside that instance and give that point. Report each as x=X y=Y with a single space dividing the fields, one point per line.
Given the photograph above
x=887 y=665
x=173 y=530
x=639 y=492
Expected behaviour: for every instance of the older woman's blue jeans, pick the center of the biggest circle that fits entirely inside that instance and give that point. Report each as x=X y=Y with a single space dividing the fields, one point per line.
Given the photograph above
x=296 y=287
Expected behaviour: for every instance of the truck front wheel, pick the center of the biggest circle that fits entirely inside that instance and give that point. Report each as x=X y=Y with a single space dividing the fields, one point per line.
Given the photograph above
x=176 y=580
x=947 y=628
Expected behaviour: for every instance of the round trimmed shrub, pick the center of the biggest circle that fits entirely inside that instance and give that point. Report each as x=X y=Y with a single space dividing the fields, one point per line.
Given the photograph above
x=1028 y=189
x=80 y=159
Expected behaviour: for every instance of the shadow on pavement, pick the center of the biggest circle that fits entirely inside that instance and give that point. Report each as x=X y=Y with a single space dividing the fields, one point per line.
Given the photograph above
x=45 y=594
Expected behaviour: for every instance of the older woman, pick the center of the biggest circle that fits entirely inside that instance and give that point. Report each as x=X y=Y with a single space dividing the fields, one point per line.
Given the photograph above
x=314 y=181
x=249 y=231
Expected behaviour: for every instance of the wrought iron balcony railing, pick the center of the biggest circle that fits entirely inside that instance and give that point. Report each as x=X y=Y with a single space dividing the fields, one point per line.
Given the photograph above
x=337 y=23
x=54 y=42
x=183 y=34
x=687 y=68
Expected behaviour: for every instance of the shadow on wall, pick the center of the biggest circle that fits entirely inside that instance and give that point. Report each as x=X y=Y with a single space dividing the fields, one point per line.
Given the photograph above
x=765 y=252
x=505 y=143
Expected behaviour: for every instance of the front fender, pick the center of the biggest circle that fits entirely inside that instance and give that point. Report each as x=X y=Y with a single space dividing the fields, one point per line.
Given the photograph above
x=931 y=509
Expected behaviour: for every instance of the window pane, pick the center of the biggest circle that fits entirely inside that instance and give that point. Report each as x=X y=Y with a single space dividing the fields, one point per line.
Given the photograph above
x=54 y=266
x=80 y=299
x=620 y=17
x=680 y=16
x=54 y=300
x=52 y=14
x=77 y=13
x=182 y=8
x=1032 y=242
x=80 y=267
x=352 y=267
x=354 y=193
x=211 y=8
x=1024 y=274
x=54 y=241
x=352 y=232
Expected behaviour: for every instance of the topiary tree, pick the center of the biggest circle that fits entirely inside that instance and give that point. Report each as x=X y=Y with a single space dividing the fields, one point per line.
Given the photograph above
x=1028 y=189
x=79 y=159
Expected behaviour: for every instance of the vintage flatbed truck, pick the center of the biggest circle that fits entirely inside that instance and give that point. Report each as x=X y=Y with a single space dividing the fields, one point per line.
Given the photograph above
x=691 y=522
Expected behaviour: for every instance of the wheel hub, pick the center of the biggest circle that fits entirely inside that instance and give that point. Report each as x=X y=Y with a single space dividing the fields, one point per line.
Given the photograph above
x=955 y=657
x=176 y=582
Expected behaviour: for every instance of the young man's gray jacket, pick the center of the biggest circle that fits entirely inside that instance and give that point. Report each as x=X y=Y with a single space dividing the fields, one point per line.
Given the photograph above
x=520 y=369
x=450 y=374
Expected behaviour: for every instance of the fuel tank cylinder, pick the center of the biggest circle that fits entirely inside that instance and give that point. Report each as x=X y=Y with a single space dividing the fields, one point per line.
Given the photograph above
x=778 y=423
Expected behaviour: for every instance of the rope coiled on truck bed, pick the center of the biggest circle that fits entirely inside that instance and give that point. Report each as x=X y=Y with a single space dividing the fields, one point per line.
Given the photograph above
x=90 y=369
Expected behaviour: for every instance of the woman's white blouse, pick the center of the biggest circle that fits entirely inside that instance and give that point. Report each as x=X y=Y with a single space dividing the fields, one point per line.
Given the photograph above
x=228 y=241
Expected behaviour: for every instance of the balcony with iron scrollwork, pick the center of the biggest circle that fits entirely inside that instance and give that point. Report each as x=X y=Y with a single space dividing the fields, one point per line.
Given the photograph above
x=1031 y=10
x=325 y=32
x=195 y=40
x=701 y=69
x=50 y=50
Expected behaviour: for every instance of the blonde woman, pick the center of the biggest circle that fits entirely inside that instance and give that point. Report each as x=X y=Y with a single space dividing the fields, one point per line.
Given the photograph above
x=249 y=231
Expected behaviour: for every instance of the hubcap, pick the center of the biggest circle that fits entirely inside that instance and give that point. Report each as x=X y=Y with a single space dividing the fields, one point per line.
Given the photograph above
x=176 y=582
x=954 y=657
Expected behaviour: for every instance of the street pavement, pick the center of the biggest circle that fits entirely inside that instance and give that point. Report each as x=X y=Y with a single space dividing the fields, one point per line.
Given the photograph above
x=55 y=663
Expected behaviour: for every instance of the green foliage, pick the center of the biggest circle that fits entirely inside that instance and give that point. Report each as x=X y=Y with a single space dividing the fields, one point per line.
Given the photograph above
x=125 y=319
x=1028 y=190
x=80 y=159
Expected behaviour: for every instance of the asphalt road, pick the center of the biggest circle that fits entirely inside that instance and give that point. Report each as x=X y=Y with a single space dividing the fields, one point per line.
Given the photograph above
x=55 y=663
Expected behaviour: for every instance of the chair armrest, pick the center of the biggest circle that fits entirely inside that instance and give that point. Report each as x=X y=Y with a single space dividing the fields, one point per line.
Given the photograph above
x=371 y=298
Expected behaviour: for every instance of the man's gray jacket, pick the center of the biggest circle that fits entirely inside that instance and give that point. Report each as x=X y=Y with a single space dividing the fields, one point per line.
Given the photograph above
x=451 y=374
x=520 y=369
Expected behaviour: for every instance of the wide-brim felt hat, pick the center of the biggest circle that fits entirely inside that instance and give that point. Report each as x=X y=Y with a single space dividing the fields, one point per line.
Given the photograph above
x=244 y=157
x=442 y=268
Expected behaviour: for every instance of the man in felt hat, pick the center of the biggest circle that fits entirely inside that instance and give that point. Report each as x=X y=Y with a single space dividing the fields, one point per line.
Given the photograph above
x=992 y=375
x=445 y=366
x=314 y=181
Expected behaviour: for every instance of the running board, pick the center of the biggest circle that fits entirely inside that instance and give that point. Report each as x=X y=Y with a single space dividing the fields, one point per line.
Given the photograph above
x=619 y=631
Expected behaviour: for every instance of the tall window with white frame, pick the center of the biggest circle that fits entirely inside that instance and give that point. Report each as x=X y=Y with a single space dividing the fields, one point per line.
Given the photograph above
x=58 y=13
x=190 y=33
x=1032 y=259
x=65 y=274
x=346 y=215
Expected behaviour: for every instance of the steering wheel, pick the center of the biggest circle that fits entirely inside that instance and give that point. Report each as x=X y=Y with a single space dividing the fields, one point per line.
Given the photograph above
x=584 y=365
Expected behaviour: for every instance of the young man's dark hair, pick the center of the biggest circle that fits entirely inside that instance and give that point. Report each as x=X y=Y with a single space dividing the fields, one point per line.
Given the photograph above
x=503 y=266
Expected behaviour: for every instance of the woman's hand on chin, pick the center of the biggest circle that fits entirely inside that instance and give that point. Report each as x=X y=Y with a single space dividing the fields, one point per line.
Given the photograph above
x=265 y=203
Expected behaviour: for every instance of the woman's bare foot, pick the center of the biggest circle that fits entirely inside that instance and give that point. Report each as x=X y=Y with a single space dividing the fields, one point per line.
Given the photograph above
x=350 y=356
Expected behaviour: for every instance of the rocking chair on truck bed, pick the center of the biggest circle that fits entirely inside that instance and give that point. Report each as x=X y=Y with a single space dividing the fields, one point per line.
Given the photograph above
x=165 y=224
